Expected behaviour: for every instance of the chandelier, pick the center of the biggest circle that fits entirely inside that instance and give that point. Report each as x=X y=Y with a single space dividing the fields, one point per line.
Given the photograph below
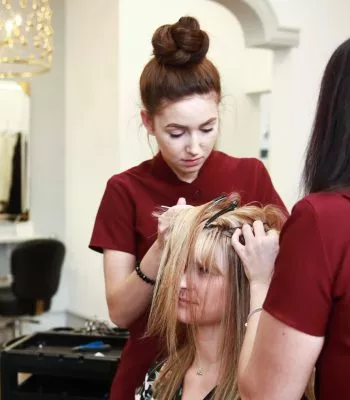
x=25 y=38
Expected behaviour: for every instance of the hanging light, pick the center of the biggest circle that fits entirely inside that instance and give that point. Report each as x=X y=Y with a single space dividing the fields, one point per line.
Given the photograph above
x=25 y=38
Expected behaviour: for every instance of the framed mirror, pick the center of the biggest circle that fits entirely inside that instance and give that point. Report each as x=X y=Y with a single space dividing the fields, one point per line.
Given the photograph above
x=14 y=144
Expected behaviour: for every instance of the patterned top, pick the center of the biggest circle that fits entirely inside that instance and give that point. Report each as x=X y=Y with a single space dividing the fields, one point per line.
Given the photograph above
x=146 y=391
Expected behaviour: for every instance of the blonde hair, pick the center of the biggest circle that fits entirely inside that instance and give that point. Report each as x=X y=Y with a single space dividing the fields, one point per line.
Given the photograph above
x=191 y=244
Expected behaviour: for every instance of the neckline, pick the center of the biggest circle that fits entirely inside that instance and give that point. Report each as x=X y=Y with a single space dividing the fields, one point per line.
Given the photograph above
x=208 y=396
x=161 y=170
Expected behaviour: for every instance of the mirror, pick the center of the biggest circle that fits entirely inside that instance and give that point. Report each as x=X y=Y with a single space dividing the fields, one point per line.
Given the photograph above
x=14 y=140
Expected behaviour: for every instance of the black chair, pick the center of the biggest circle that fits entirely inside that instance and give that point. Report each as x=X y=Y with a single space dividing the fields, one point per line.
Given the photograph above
x=36 y=269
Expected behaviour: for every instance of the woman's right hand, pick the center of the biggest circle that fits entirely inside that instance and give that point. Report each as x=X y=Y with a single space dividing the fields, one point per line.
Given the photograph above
x=165 y=219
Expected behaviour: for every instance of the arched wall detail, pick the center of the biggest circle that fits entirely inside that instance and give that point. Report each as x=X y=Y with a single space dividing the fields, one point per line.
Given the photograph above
x=261 y=25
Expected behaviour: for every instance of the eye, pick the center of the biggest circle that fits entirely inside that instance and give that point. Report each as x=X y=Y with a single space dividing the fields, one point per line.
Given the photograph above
x=176 y=132
x=203 y=271
x=207 y=130
x=176 y=135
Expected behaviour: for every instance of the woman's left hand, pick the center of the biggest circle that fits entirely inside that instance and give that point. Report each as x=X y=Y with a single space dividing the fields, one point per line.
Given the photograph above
x=259 y=253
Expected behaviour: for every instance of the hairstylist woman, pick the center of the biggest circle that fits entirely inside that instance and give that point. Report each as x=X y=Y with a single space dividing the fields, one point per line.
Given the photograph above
x=306 y=317
x=180 y=91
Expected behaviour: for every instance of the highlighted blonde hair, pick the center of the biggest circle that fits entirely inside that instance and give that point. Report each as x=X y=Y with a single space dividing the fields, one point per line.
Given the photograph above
x=191 y=244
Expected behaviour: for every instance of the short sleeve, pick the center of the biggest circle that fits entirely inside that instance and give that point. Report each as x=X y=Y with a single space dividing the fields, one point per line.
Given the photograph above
x=266 y=193
x=114 y=227
x=300 y=292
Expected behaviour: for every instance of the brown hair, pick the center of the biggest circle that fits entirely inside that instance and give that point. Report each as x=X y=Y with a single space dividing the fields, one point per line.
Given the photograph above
x=179 y=67
x=189 y=245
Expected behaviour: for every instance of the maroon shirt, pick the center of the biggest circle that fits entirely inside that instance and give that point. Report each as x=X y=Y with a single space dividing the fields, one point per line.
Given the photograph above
x=124 y=222
x=310 y=290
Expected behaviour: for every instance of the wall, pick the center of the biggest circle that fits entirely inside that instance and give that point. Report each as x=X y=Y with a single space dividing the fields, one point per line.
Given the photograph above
x=47 y=148
x=296 y=80
x=92 y=144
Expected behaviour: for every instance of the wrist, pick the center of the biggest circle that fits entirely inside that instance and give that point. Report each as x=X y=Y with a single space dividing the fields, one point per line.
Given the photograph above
x=259 y=285
x=151 y=261
x=143 y=276
x=258 y=293
x=253 y=312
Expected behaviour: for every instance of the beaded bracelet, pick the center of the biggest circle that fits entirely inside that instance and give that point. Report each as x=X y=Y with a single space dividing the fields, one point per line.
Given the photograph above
x=143 y=276
x=252 y=313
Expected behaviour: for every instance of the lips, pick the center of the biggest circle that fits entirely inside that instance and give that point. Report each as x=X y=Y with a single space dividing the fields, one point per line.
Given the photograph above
x=184 y=303
x=183 y=299
x=193 y=162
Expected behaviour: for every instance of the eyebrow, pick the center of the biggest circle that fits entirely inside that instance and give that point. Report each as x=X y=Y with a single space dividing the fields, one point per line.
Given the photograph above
x=174 y=125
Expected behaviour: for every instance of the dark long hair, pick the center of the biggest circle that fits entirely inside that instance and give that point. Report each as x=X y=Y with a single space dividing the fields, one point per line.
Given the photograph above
x=327 y=165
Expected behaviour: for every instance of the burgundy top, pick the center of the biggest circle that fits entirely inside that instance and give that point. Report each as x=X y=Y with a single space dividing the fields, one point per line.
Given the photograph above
x=124 y=222
x=310 y=290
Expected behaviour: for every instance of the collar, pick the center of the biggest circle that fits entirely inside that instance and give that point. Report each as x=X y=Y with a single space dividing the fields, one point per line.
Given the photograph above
x=161 y=169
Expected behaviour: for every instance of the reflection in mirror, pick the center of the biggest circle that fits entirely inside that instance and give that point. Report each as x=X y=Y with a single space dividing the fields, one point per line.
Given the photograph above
x=14 y=138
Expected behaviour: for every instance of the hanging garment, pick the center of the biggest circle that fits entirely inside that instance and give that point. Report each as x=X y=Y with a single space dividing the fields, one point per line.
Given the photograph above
x=15 y=204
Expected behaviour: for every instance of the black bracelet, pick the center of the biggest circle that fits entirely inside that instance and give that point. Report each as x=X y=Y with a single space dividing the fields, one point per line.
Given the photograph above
x=143 y=276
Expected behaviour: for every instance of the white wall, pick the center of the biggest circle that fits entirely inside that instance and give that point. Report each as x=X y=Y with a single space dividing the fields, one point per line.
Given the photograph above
x=296 y=79
x=92 y=143
x=47 y=148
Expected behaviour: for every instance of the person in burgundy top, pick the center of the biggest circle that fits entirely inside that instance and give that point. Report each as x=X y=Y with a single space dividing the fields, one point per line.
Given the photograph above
x=180 y=92
x=305 y=321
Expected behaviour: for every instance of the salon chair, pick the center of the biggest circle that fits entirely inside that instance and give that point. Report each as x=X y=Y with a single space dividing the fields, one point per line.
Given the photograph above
x=36 y=269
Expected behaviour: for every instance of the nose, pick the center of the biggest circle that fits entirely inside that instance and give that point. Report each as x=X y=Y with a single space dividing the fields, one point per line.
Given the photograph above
x=193 y=146
x=183 y=282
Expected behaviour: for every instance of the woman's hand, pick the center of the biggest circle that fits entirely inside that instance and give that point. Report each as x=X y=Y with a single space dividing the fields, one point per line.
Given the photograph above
x=165 y=219
x=259 y=253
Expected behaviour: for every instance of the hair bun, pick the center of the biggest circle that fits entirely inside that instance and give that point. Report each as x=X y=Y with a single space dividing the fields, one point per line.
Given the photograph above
x=182 y=43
